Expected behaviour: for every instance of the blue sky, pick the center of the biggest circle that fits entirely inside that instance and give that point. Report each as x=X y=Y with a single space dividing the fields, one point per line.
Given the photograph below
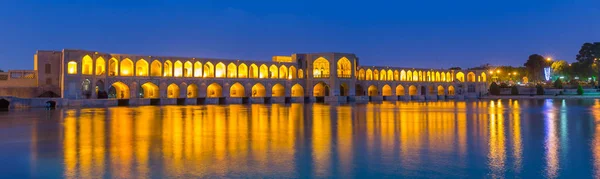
x=429 y=34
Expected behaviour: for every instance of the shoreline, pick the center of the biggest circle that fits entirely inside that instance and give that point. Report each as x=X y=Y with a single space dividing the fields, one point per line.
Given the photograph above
x=542 y=97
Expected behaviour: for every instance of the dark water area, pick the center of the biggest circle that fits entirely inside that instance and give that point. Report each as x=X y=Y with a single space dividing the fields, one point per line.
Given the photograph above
x=445 y=139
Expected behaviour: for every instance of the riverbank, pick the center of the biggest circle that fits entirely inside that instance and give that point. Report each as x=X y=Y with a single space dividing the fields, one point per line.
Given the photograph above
x=542 y=97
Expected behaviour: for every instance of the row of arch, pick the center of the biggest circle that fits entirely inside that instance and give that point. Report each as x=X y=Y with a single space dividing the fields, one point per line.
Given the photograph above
x=141 y=67
x=412 y=90
x=416 y=75
x=121 y=90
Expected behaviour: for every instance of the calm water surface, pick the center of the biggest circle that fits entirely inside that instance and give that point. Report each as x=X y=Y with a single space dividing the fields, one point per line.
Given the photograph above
x=524 y=139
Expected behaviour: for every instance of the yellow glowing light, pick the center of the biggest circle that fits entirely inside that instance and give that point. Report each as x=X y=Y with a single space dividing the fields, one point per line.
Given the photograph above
x=72 y=67
x=491 y=72
x=514 y=73
x=549 y=59
x=497 y=71
x=125 y=72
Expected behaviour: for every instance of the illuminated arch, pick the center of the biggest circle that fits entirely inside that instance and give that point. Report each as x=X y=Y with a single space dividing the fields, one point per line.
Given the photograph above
x=150 y=90
x=178 y=69
x=428 y=77
x=141 y=68
x=126 y=67
x=168 y=68
x=292 y=73
x=460 y=76
x=264 y=71
x=300 y=73
x=258 y=90
x=376 y=74
x=386 y=90
x=344 y=68
x=242 y=71
x=415 y=76
x=119 y=90
x=273 y=70
x=237 y=90
x=402 y=75
x=253 y=71
x=431 y=90
x=390 y=75
x=87 y=65
x=471 y=77
x=188 y=69
x=197 y=69
x=412 y=90
x=483 y=77
x=441 y=91
x=173 y=91
x=113 y=67
x=420 y=76
x=208 y=70
x=409 y=75
x=437 y=76
x=449 y=77
x=283 y=72
x=297 y=90
x=320 y=89
x=231 y=71
x=214 y=90
x=443 y=76
x=396 y=75
x=278 y=90
x=321 y=68
x=72 y=67
x=450 y=90
x=369 y=74
x=361 y=74
x=192 y=91
x=155 y=68
x=100 y=66
x=372 y=90
x=399 y=90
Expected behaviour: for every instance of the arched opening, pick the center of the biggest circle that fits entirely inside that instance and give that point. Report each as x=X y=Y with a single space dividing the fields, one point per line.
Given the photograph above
x=429 y=77
x=283 y=72
x=320 y=89
x=396 y=75
x=300 y=73
x=118 y=90
x=149 y=90
x=209 y=70
x=258 y=90
x=197 y=69
x=321 y=68
x=192 y=91
x=273 y=70
x=87 y=65
x=460 y=76
x=242 y=71
x=278 y=90
x=178 y=69
x=437 y=76
x=390 y=75
x=372 y=90
x=100 y=66
x=412 y=90
x=449 y=77
x=297 y=90
x=72 y=67
x=344 y=89
x=173 y=91
x=264 y=71
x=231 y=71
x=415 y=76
x=471 y=77
x=361 y=74
x=441 y=91
x=376 y=75
x=483 y=77
x=188 y=70
x=450 y=90
x=113 y=67
x=402 y=75
x=86 y=89
x=443 y=76
x=237 y=90
x=141 y=67
x=423 y=90
x=214 y=90
x=382 y=75
x=409 y=76
x=359 y=90
x=420 y=76
x=386 y=90
x=168 y=68
x=369 y=74
x=155 y=68
x=220 y=70
x=100 y=92
x=344 y=68
x=399 y=90
x=127 y=67
x=292 y=74
x=253 y=71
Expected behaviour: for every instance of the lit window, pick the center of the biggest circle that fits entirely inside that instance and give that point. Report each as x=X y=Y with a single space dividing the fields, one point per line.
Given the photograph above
x=72 y=67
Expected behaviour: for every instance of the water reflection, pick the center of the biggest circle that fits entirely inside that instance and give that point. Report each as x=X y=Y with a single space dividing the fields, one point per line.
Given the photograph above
x=495 y=139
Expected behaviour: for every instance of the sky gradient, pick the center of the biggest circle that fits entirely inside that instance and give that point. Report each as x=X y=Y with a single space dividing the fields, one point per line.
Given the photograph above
x=427 y=34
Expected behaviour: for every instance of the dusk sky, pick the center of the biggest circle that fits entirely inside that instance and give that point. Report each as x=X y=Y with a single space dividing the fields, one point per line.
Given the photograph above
x=429 y=34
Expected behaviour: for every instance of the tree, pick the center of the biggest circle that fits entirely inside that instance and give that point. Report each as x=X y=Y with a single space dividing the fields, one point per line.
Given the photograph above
x=560 y=67
x=589 y=52
x=494 y=89
x=579 y=90
x=558 y=84
x=535 y=64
